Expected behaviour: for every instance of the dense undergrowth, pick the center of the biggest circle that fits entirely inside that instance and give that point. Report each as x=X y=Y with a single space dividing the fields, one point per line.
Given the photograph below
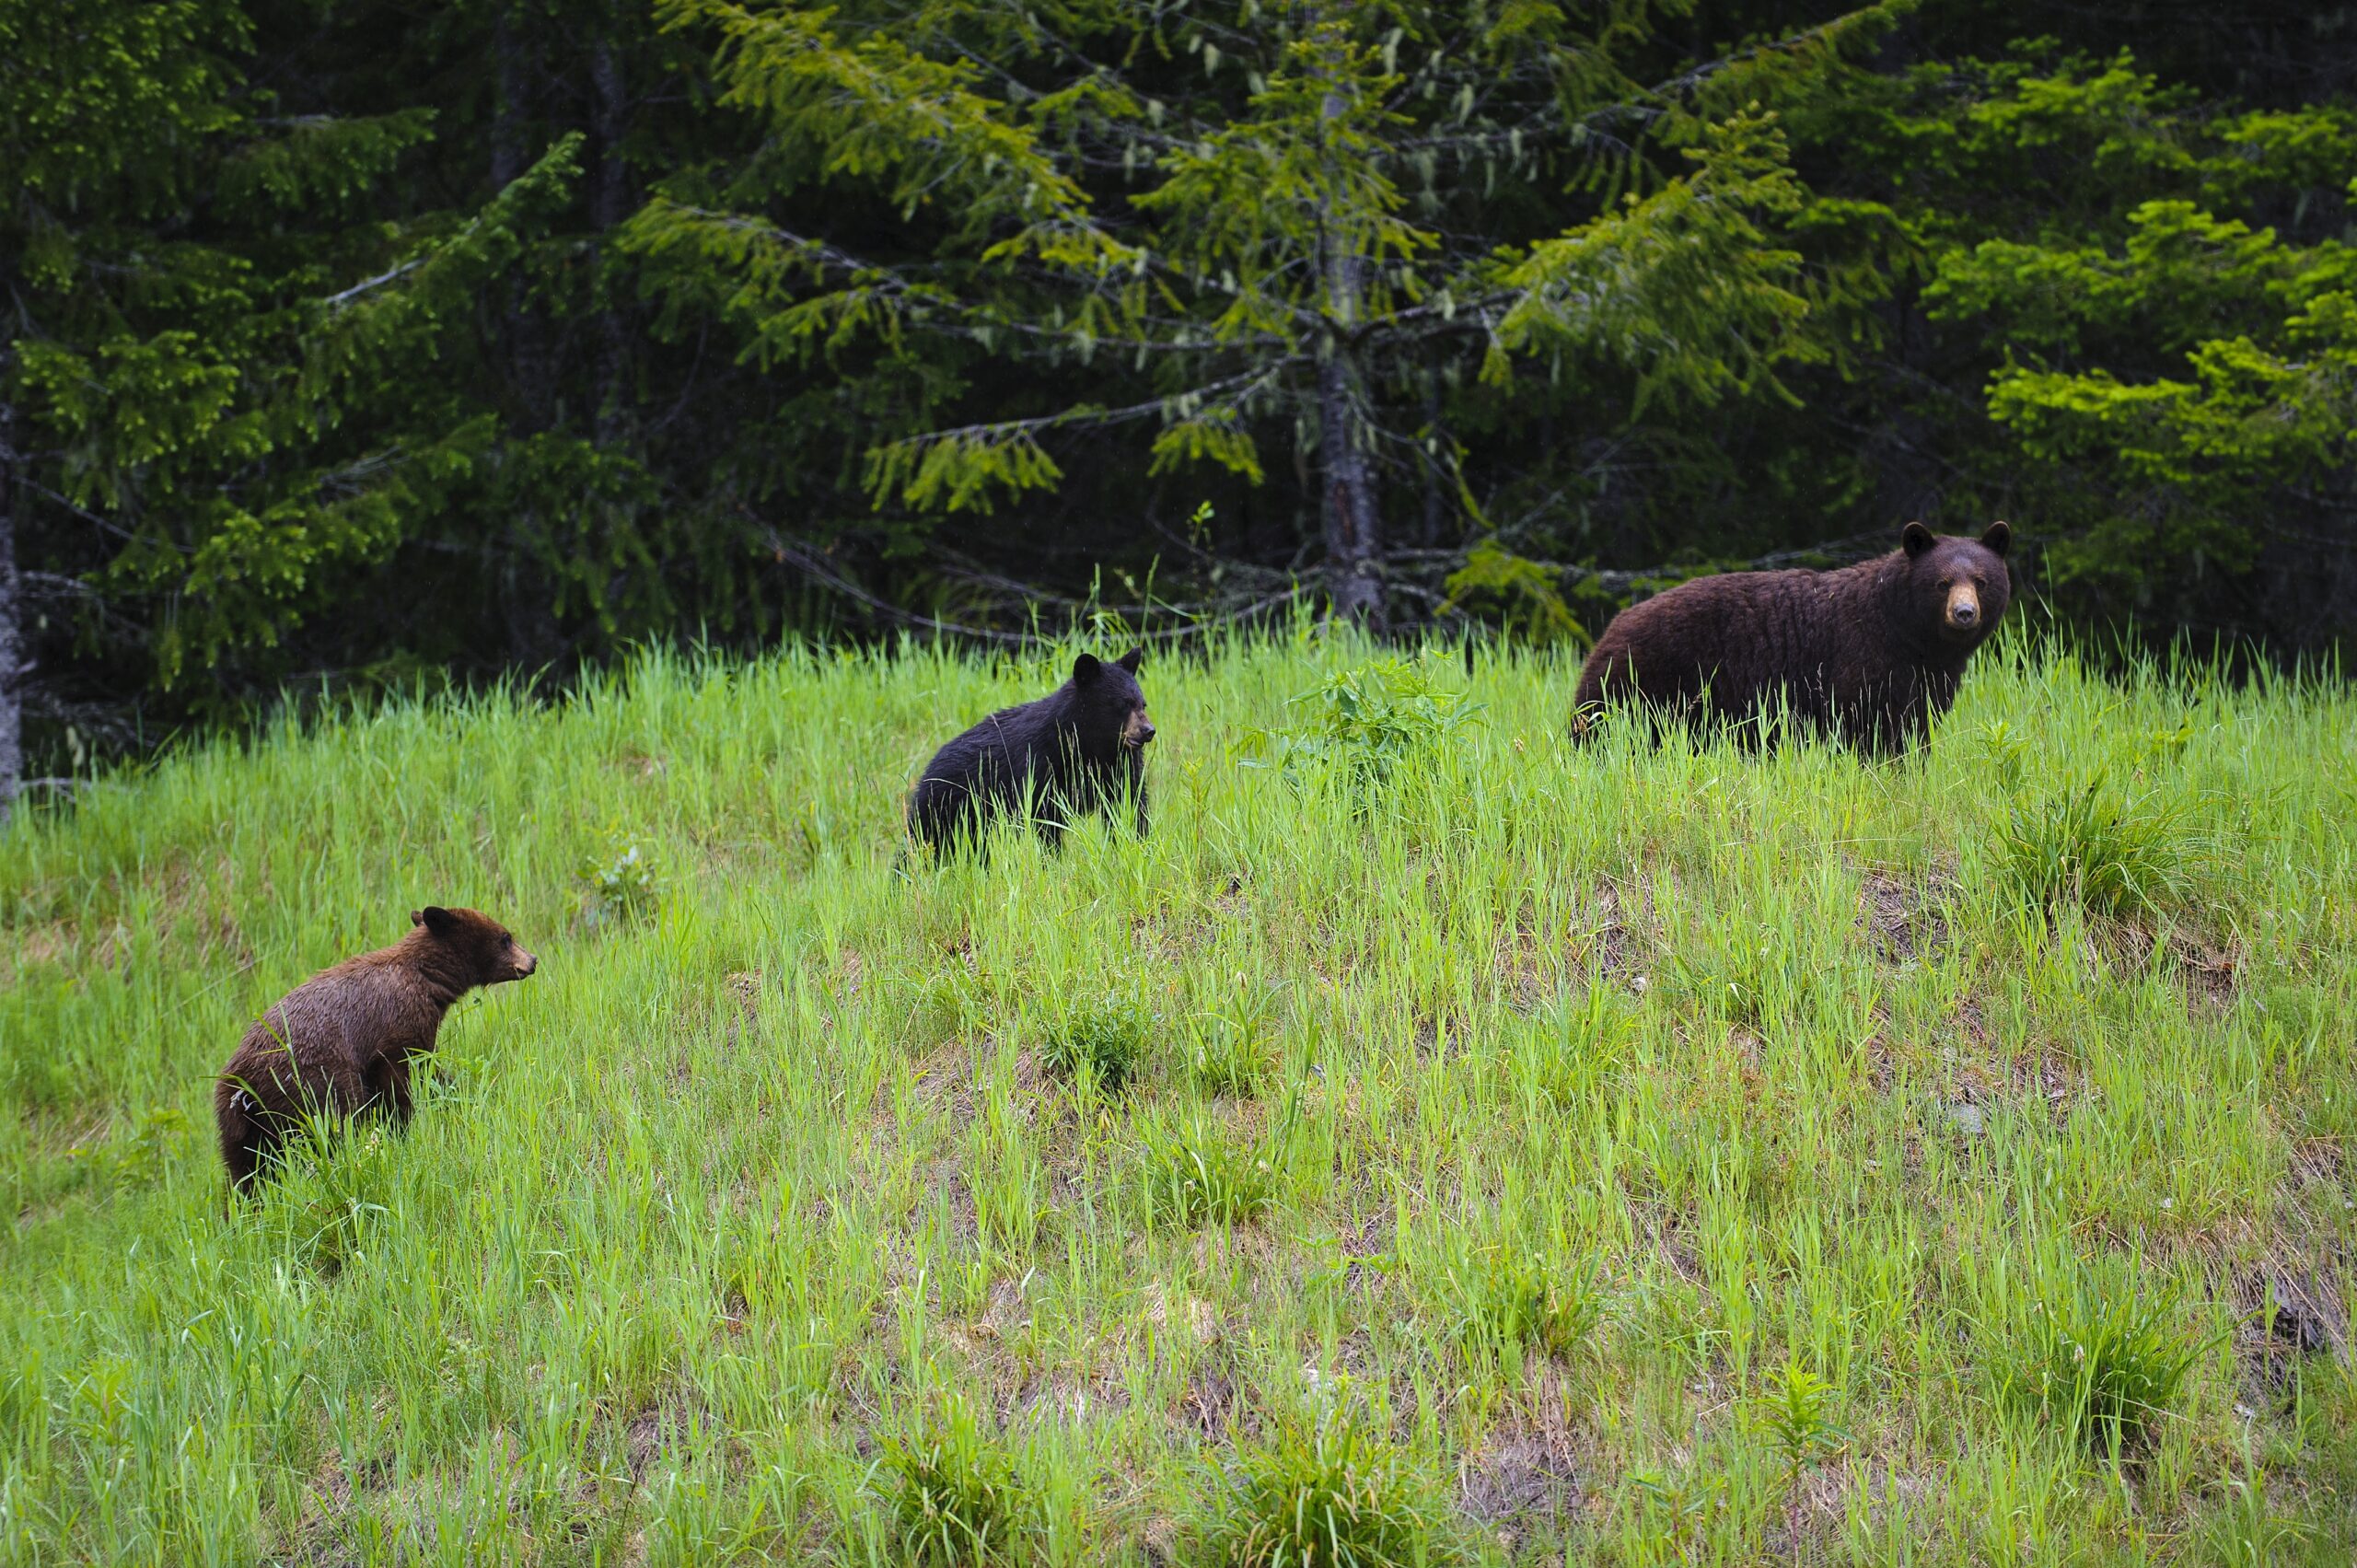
x=1443 y=1144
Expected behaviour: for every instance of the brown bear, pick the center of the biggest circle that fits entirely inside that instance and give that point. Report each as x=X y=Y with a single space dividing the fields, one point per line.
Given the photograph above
x=341 y=1042
x=1870 y=653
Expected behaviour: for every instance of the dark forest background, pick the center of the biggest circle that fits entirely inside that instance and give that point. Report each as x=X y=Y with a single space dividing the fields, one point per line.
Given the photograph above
x=346 y=343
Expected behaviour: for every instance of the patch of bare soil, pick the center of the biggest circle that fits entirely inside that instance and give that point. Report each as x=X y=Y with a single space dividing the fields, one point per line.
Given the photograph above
x=2042 y=1077
x=1519 y=1480
x=1616 y=942
x=745 y=986
x=650 y=1434
x=1209 y=1402
x=1901 y=919
x=2211 y=975
x=2292 y=1308
x=1814 y=1514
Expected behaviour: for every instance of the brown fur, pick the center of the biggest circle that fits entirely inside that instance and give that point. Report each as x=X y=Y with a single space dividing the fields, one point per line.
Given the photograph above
x=341 y=1043
x=1871 y=653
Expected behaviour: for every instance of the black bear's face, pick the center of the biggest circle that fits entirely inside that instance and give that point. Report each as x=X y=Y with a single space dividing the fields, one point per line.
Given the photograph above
x=487 y=950
x=1957 y=585
x=1112 y=709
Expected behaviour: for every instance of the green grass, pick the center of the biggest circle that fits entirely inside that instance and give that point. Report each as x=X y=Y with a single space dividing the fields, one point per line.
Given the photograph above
x=1498 y=1131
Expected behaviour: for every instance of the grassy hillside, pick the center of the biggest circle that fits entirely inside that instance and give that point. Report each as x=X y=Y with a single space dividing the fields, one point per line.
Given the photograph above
x=1638 y=1156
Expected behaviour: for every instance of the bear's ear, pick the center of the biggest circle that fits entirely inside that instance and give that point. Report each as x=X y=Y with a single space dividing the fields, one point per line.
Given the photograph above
x=1086 y=668
x=1915 y=539
x=1998 y=538
x=417 y=917
x=1129 y=661
x=437 y=920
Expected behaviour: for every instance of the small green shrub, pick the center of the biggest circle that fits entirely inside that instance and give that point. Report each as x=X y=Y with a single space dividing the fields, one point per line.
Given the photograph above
x=1574 y=1051
x=1326 y=1491
x=1364 y=722
x=327 y=1189
x=1229 y=1051
x=1796 y=1412
x=1503 y=1299
x=953 y=1492
x=1195 y=1174
x=2104 y=1362
x=2114 y=856
x=1104 y=1044
x=623 y=879
x=1679 y=1510
x=143 y=1156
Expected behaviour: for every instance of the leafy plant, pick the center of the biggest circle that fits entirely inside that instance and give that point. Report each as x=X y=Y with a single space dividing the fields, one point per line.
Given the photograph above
x=2125 y=858
x=623 y=880
x=1679 y=1507
x=1195 y=1174
x=1795 y=1412
x=1503 y=1298
x=1230 y=1049
x=1362 y=723
x=956 y=1498
x=1571 y=1053
x=2104 y=1362
x=1326 y=1491
x=141 y=1157
x=1103 y=1044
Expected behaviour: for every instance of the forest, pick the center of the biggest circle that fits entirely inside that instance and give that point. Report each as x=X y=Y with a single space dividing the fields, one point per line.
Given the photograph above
x=352 y=347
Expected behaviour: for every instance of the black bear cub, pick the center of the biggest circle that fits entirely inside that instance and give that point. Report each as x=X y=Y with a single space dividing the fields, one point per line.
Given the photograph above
x=1871 y=653
x=341 y=1042
x=1080 y=747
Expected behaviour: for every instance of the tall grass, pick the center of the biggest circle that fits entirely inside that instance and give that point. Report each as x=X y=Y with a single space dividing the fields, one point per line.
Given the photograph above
x=1549 y=1099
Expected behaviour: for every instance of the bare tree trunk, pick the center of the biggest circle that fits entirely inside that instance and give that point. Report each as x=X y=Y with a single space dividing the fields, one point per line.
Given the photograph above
x=1354 y=522
x=528 y=339
x=1353 y=552
x=608 y=204
x=12 y=622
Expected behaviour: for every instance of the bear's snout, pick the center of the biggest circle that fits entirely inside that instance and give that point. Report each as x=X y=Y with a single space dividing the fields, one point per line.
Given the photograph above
x=1964 y=607
x=1138 y=731
x=522 y=962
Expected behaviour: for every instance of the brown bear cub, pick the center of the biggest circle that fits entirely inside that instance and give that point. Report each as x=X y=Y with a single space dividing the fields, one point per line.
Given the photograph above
x=1080 y=747
x=341 y=1042
x=1870 y=653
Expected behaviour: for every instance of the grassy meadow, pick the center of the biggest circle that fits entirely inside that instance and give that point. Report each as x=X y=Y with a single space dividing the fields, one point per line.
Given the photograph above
x=1436 y=1143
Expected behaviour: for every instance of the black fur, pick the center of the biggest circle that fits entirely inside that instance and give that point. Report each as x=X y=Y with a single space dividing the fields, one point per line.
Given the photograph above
x=1869 y=654
x=1080 y=747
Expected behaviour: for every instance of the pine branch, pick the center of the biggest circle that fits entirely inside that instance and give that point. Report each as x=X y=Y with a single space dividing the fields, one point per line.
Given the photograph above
x=395 y=275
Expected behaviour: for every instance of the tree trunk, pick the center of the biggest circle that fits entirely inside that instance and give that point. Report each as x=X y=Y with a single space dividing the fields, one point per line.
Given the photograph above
x=1435 y=479
x=12 y=622
x=1353 y=523
x=1353 y=555
x=608 y=204
x=528 y=339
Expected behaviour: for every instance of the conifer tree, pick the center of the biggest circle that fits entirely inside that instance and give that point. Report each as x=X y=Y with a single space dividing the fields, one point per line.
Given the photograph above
x=209 y=347
x=2171 y=306
x=1282 y=220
